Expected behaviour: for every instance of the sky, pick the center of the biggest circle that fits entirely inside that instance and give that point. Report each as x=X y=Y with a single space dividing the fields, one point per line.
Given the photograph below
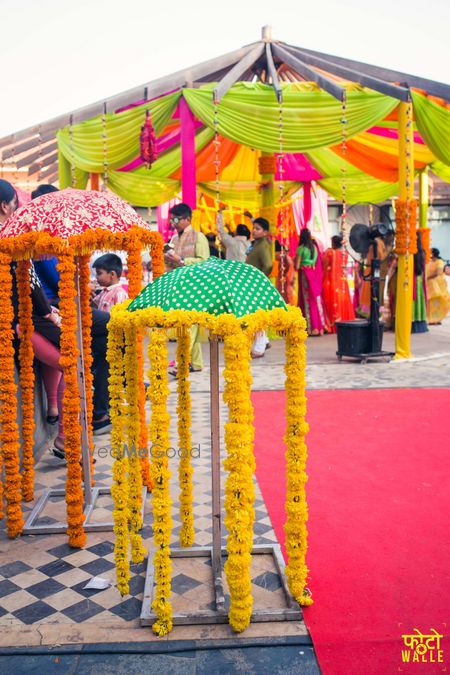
x=57 y=55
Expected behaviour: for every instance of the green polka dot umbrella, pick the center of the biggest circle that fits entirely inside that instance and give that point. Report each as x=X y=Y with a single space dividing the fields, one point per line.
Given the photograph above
x=214 y=286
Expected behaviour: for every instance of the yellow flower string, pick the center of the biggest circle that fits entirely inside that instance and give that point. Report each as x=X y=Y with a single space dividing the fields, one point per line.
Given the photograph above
x=160 y=440
x=239 y=488
x=119 y=488
x=26 y=358
x=71 y=401
x=296 y=453
x=9 y=431
x=86 y=321
x=138 y=551
x=185 y=470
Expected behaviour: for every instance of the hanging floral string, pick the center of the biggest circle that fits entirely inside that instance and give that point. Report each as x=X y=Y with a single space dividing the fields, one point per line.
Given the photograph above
x=138 y=551
x=26 y=374
x=71 y=401
x=185 y=470
x=239 y=489
x=86 y=325
x=134 y=259
x=147 y=141
x=9 y=431
x=159 y=437
x=296 y=453
x=119 y=488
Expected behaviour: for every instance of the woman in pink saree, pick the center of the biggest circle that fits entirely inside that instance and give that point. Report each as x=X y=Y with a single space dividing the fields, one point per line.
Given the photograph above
x=310 y=299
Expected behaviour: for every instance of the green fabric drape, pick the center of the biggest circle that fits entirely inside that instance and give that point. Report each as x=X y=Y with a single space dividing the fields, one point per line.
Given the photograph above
x=433 y=123
x=441 y=170
x=249 y=114
x=142 y=190
x=243 y=194
x=359 y=186
x=65 y=174
x=84 y=143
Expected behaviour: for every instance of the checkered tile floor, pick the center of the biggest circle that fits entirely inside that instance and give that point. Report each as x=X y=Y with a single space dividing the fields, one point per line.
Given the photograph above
x=42 y=579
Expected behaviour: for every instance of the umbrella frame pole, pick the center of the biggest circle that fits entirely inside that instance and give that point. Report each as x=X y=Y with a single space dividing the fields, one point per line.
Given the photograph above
x=215 y=472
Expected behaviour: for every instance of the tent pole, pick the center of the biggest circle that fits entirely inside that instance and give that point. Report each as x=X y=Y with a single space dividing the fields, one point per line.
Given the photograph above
x=404 y=295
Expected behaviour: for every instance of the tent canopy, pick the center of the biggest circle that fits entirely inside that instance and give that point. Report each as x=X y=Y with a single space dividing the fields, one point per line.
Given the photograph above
x=338 y=118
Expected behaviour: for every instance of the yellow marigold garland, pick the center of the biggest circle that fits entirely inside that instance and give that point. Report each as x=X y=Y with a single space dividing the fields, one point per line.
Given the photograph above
x=26 y=358
x=239 y=489
x=160 y=440
x=9 y=431
x=119 y=488
x=138 y=551
x=185 y=470
x=86 y=322
x=296 y=453
x=134 y=288
x=71 y=402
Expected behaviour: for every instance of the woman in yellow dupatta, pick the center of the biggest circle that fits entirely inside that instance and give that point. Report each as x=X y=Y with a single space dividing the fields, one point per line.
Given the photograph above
x=437 y=291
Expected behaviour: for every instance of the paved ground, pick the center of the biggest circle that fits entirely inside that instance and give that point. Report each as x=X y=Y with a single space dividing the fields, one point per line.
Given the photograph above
x=43 y=603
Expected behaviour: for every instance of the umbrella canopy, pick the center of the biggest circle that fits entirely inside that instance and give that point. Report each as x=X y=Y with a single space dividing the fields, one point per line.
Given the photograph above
x=214 y=286
x=71 y=212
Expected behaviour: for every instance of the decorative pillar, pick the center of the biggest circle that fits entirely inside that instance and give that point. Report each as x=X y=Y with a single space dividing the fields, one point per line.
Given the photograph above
x=423 y=212
x=267 y=168
x=405 y=233
x=188 y=166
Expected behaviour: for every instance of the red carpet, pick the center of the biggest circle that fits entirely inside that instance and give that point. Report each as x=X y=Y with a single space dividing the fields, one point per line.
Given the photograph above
x=379 y=520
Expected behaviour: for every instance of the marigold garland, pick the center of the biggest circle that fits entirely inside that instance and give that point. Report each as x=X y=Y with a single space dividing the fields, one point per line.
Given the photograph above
x=71 y=401
x=134 y=250
x=9 y=431
x=162 y=519
x=138 y=551
x=119 y=488
x=26 y=374
x=239 y=489
x=405 y=226
x=185 y=470
x=86 y=325
x=239 y=437
x=296 y=453
x=426 y=242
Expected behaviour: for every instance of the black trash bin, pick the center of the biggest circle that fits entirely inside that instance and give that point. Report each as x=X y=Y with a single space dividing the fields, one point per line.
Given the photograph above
x=354 y=337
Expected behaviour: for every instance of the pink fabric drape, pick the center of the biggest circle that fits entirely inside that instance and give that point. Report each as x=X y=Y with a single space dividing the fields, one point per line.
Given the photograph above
x=188 y=166
x=318 y=221
x=162 y=218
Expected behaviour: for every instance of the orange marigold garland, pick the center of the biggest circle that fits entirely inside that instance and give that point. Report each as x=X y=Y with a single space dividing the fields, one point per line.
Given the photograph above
x=86 y=325
x=405 y=226
x=134 y=248
x=9 y=431
x=71 y=402
x=426 y=241
x=26 y=357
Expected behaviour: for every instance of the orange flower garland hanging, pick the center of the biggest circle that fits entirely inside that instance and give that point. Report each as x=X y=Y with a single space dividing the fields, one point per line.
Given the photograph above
x=26 y=374
x=9 y=431
x=71 y=402
x=405 y=226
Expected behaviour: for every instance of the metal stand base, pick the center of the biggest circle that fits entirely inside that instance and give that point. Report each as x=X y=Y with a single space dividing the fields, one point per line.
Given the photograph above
x=292 y=611
x=363 y=358
x=60 y=528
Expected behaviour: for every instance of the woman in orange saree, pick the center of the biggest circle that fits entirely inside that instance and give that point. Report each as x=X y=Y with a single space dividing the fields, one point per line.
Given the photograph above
x=336 y=293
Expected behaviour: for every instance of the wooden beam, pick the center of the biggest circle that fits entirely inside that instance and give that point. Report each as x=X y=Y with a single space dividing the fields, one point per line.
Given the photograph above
x=33 y=156
x=308 y=73
x=27 y=145
x=431 y=86
x=273 y=73
x=156 y=88
x=50 y=159
x=50 y=173
x=400 y=93
x=235 y=73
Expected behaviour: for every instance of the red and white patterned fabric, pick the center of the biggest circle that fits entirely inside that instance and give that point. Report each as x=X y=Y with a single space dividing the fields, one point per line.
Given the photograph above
x=70 y=212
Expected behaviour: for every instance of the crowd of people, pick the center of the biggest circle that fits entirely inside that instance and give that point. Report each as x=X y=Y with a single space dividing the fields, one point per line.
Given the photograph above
x=320 y=278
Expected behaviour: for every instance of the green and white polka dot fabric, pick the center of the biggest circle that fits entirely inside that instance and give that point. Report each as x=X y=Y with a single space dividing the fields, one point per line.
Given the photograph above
x=214 y=286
